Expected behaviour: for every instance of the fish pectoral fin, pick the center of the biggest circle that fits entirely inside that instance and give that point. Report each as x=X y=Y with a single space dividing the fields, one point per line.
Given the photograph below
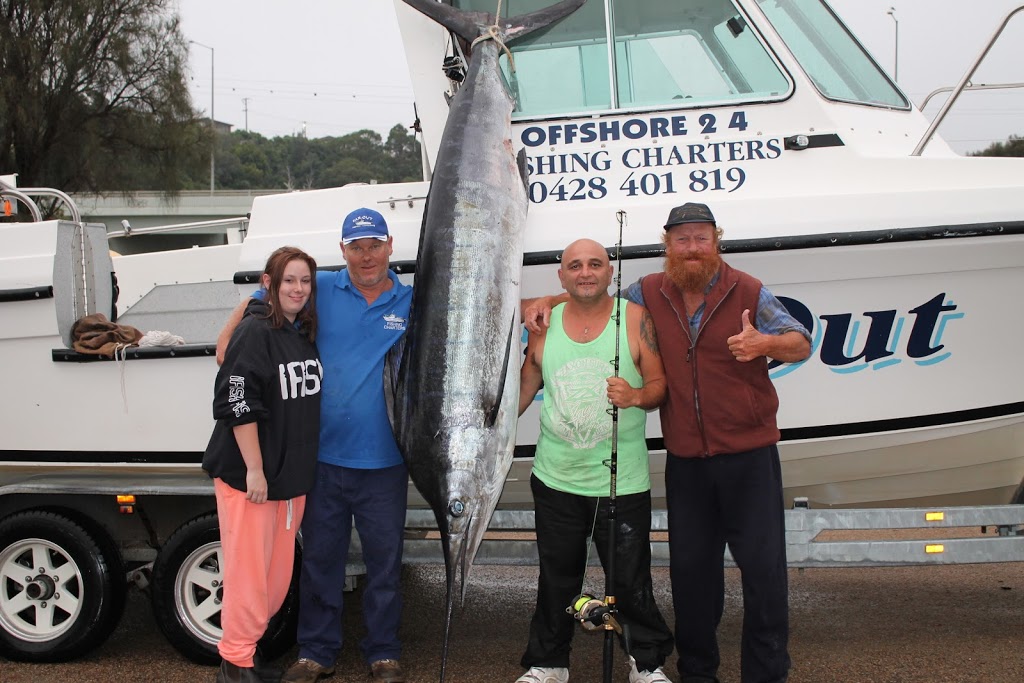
x=524 y=171
x=492 y=413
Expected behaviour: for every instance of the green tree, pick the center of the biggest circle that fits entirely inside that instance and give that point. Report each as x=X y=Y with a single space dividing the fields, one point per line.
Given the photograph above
x=93 y=96
x=403 y=152
x=1014 y=147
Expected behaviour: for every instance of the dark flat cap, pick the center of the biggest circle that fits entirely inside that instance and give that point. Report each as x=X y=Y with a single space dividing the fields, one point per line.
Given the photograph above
x=690 y=212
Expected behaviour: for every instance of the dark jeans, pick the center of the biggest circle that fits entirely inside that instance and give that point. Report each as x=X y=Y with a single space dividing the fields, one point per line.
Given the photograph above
x=376 y=500
x=734 y=499
x=564 y=522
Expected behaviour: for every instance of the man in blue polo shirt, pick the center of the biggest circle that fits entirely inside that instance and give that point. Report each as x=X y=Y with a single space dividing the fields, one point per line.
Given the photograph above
x=362 y=311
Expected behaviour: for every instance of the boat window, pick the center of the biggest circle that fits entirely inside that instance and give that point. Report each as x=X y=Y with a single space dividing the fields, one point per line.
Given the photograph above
x=837 y=64
x=666 y=53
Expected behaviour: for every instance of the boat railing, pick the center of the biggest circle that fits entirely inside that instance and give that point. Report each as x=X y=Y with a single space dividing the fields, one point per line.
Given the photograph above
x=969 y=86
x=6 y=191
x=65 y=199
x=961 y=86
x=128 y=231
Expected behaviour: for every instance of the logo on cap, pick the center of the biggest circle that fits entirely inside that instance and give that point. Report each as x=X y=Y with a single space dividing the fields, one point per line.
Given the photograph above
x=363 y=223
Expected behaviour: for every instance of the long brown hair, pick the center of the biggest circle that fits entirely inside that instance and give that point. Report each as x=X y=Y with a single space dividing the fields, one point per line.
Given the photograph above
x=306 y=318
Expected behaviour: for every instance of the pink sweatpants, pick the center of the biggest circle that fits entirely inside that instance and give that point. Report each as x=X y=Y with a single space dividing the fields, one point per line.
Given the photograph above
x=258 y=543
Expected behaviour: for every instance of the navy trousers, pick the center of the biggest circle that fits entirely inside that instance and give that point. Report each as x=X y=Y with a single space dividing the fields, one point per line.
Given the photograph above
x=376 y=501
x=564 y=523
x=734 y=499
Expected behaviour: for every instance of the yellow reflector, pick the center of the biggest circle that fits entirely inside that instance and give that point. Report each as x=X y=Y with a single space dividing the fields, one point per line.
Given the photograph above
x=935 y=548
x=934 y=516
x=126 y=500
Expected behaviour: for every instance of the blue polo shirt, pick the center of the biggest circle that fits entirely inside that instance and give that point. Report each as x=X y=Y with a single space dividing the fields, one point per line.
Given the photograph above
x=354 y=339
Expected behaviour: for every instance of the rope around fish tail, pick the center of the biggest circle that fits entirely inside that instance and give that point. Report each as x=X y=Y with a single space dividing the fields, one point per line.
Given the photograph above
x=493 y=33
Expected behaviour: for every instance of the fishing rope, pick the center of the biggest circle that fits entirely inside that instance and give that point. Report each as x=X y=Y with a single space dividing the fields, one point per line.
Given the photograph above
x=494 y=33
x=121 y=358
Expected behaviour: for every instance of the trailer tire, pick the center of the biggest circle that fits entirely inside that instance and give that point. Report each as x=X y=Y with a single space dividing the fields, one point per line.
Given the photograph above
x=187 y=590
x=61 y=595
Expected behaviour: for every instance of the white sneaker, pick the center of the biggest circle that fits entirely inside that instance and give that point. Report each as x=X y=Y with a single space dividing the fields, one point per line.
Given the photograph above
x=541 y=674
x=656 y=676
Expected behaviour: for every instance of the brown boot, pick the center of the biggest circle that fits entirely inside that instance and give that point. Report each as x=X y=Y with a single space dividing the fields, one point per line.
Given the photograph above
x=306 y=671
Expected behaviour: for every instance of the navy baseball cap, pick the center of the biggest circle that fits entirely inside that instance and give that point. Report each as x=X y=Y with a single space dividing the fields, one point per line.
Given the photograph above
x=690 y=212
x=363 y=223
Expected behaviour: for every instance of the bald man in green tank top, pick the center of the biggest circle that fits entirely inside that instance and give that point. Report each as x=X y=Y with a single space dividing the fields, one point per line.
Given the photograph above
x=572 y=360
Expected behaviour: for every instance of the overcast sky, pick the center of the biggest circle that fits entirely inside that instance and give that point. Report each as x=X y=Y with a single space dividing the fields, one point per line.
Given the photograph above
x=331 y=67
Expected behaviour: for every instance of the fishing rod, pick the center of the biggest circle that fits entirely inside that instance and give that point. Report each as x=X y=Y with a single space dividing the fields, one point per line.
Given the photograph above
x=594 y=614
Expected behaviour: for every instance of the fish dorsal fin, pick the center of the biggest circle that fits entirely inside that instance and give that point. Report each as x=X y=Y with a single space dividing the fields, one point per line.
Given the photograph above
x=492 y=414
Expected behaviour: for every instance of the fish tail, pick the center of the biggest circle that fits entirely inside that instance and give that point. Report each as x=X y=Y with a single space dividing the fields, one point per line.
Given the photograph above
x=470 y=25
x=525 y=24
x=467 y=25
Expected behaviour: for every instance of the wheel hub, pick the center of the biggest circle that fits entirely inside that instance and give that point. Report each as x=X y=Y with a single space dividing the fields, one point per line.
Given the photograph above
x=42 y=587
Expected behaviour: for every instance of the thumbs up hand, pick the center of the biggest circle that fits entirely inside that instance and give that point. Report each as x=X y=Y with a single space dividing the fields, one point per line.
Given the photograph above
x=746 y=346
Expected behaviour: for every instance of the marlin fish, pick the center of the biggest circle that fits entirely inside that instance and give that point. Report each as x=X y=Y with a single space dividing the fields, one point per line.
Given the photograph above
x=457 y=394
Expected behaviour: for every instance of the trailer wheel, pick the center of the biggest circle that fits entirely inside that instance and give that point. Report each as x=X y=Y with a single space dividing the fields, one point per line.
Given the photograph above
x=188 y=588
x=60 y=594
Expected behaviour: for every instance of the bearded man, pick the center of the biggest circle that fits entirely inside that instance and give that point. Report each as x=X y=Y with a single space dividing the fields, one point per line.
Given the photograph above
x=716 y=328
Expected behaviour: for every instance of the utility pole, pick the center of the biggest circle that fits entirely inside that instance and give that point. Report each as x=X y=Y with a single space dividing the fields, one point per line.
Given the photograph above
x=896 y=50
x=213 y=129
x=245 y=108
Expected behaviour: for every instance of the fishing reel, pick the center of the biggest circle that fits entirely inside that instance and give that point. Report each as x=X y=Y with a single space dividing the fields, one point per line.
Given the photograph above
x=594 y=614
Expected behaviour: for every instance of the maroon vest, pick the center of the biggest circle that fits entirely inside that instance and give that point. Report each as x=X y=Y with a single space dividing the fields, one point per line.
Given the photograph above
x=715 y=403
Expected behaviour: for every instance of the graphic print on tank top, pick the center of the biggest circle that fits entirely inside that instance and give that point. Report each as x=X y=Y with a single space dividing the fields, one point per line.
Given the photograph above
x=581 y=402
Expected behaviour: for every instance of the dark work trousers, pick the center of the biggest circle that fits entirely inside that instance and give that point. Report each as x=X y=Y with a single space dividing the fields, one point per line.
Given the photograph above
x=734 y=499
x=376 y=500
x=564 y=523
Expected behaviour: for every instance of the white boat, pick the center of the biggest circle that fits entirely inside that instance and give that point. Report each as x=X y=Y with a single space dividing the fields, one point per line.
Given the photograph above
x=772 y=113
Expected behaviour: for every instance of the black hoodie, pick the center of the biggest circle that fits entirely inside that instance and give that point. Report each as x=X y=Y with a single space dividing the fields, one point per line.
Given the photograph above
x=271 y=377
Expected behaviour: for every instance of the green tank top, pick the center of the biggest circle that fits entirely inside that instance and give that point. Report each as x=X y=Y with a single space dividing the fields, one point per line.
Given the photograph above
x=575 y=425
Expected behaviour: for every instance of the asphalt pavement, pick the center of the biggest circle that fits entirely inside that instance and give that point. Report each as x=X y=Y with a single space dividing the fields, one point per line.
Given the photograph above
x=954 y=624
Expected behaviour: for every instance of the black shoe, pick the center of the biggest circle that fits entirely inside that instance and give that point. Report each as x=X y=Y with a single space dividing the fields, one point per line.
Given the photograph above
x=232 y=673
x=267 y=673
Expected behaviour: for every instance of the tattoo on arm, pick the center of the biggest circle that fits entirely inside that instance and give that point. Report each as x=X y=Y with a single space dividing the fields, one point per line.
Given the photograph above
x=647 y=333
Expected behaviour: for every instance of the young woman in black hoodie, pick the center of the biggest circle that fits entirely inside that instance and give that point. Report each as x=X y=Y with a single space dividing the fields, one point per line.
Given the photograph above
x=262 y=453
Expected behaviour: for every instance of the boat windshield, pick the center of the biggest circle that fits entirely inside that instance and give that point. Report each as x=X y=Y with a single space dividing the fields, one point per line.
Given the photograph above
x=681 y=53
x=832 y=58
x=667 y=54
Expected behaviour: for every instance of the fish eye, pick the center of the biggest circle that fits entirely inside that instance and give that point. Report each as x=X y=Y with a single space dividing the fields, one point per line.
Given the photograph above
x=456 y=508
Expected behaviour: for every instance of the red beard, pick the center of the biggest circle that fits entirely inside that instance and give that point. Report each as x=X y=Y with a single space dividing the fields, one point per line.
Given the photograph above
x=689 y=276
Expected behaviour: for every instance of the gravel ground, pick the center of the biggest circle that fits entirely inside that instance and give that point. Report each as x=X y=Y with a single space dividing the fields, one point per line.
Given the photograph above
x=957 y=624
